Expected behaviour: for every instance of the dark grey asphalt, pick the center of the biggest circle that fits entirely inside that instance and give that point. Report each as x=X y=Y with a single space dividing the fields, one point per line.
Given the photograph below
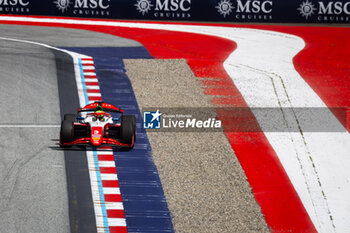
x=33 y=193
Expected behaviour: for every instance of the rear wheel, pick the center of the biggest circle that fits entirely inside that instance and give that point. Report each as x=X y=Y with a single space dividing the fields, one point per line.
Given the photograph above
x=128 y=129
x=66 y=134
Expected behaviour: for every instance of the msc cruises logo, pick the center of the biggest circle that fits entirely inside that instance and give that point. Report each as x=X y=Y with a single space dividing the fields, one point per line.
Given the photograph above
x=246 y=9
x=164 y=8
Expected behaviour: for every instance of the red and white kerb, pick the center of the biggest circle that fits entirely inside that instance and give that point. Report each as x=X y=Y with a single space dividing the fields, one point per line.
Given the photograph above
x=108 y=205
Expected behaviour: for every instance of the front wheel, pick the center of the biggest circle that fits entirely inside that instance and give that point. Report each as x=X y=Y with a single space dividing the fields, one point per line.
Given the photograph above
x=128 y=129
x=66 y=134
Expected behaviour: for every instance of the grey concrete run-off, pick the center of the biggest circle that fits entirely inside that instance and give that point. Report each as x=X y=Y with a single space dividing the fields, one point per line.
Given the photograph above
x=204 y=184
x=33 y=192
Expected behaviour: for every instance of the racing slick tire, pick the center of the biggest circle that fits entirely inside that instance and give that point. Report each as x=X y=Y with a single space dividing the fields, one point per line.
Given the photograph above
x=70 y=117
x=66 y=134
x=128 y=129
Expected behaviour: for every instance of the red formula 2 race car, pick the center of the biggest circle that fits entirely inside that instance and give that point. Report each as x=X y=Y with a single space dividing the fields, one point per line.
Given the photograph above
x=94 y=126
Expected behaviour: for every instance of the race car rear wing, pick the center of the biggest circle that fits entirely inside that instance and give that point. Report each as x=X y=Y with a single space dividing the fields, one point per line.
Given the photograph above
x=105 y=110
x=106 y=107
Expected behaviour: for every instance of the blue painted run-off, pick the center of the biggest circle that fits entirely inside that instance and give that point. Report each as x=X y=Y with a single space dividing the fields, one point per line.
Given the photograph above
x=145 y=206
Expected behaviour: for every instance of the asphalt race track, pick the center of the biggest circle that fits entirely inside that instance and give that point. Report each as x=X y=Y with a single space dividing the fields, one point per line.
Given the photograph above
x=33 y=181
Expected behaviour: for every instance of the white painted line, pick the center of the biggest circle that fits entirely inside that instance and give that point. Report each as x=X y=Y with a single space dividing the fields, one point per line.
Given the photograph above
x=117 y=222
x=91 y=160
x=94 y=94
x=92 y=87
x=30 y=126
x=89 y=74
x=108 y=176
x=99 y=225
x=87 y=62
x=114 y=178
x=95 y=190
x=111 y=190
x=106 y=164
x=79 y=80
x=114 y=205
x=91 y=79
x=95 y=194
x=105 y=151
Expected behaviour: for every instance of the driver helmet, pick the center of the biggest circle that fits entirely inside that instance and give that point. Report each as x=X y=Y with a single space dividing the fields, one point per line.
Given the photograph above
x=98 y=109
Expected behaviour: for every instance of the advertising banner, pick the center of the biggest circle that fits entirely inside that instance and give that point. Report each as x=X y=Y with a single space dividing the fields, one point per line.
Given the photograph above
x=265 y=11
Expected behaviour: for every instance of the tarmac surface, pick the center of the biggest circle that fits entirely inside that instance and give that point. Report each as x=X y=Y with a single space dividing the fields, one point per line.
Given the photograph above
x=33 y=193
